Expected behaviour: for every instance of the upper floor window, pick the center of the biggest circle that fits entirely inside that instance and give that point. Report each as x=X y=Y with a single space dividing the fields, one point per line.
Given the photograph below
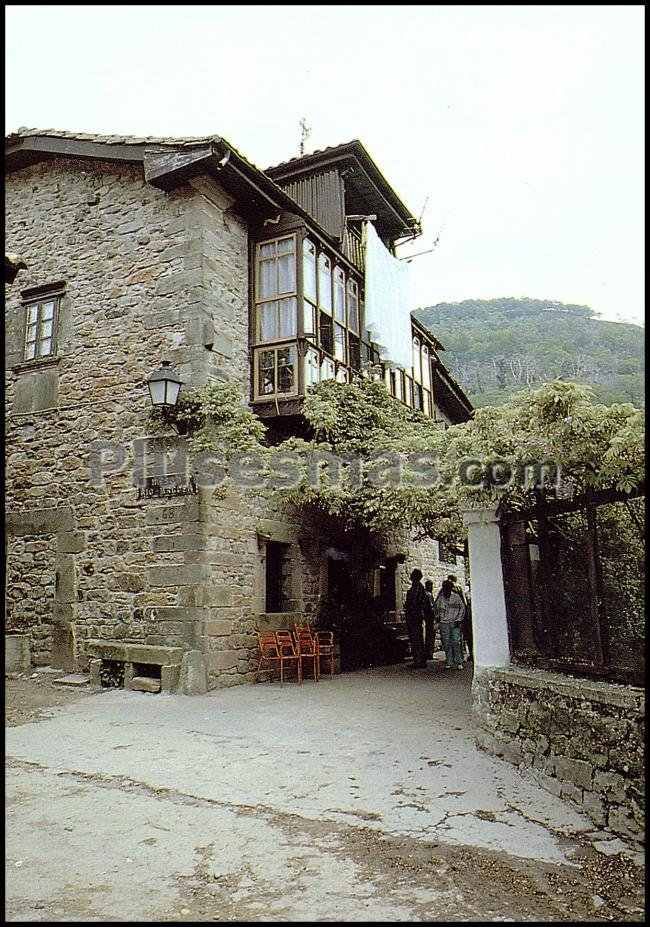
x=426 y=367
x=339 y=295
x=41 y=316
x=309 y=270
x=275 y=299
x=353 y=306
x=325 y=283
x=417 y=361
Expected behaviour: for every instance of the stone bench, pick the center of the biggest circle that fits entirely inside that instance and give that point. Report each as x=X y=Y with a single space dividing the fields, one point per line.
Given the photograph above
x=138 y=659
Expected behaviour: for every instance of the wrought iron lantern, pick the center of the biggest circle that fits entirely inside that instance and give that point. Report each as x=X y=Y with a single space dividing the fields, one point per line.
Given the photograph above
x=164 y=386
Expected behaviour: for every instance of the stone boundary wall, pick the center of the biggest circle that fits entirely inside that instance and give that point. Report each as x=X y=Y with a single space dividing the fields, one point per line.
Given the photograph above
x=579 y=739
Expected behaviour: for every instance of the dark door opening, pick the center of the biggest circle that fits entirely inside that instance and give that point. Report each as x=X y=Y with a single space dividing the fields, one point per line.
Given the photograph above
x=387 y=588
x=362 y=620
x=277 y=577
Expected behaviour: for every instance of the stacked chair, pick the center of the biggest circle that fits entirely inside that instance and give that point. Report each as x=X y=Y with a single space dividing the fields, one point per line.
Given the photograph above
x=302 y=646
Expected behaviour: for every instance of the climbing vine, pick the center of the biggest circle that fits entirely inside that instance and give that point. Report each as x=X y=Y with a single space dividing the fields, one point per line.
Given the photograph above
x=371 y=467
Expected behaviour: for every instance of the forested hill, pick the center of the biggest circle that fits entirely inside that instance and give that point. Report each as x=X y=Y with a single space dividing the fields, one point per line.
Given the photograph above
x=495 y=347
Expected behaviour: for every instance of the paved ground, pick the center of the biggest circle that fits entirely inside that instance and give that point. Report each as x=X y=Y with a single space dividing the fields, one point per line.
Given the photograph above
x=360 y=798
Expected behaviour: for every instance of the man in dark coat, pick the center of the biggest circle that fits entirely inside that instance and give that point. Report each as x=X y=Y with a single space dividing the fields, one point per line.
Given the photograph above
x=416 y=609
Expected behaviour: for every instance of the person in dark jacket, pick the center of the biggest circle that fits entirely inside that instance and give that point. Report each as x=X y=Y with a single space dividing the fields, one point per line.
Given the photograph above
x=416 y=608
x=429 y=621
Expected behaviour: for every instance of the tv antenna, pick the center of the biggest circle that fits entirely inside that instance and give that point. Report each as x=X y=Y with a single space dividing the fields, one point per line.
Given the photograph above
x=305 y=132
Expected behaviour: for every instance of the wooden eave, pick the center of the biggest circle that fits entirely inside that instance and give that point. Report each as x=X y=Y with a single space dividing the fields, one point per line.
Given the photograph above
x=426 y=335
x=367 y=190
x=451 y=392
x=166 y=165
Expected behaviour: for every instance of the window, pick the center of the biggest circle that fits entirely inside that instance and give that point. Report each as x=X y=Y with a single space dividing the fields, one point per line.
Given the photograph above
x=408 y=390
x=339 y=343
x=309 y=270
x=417 y=361
x=276 y=371
x=276 y=308
x=40 y=327
x=392 y=382
x=278 y=577
x=339 y=295
x=327 y=369
x=426 y=368
x=353 y=306
x=276 y=320
x=325 y=283
x=418 y=403
x=326 y=333
x=312 y=367
x=309 y=315
x=427 y=403
x=355 y=352
x=399 y=385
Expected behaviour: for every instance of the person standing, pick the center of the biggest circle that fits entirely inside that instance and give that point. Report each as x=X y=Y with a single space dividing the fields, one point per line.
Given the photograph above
x=453 y=579
x=429 y=621
x=450 y=611
x=466 y=623
x=416 y=607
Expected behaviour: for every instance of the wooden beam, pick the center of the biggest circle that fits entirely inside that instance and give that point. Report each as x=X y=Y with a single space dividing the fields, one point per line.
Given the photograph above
x=559 y=507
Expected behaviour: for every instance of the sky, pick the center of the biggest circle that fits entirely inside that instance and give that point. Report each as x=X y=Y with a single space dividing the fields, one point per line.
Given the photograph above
x=520 y=127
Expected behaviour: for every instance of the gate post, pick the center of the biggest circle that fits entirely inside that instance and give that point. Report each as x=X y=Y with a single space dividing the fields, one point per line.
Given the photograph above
x=489 y=621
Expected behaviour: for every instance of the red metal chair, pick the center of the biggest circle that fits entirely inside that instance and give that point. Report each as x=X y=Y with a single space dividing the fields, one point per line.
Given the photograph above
x=307 y=648
x=288 y=653
x=268 y=651
x=325 y=647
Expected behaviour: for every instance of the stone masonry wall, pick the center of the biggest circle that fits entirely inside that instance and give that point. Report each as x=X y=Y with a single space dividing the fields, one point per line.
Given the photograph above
x=30 y=600
x=424 y=555
x=148 y=275
x=581 y=740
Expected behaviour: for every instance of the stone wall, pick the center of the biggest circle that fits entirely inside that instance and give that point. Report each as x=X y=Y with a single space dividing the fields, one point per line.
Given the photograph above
x=425 y=555
x=581 y=740
x=148 y=275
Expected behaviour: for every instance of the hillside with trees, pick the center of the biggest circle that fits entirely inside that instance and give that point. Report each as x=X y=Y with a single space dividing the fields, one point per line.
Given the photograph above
x=495 y=347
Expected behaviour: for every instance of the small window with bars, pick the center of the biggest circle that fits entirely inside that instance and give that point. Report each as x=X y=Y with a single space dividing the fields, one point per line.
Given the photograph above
x=41 y=317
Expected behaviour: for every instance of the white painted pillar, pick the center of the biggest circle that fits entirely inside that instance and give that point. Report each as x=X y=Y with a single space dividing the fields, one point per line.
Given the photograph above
x=489 y=622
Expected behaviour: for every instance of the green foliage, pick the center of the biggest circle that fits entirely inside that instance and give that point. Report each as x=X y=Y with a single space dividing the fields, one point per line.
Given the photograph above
x=217 y=419
x=595 y=445
x=495 y=347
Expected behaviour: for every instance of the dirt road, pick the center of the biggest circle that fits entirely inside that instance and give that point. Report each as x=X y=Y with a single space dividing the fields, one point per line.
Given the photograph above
x=361 y=798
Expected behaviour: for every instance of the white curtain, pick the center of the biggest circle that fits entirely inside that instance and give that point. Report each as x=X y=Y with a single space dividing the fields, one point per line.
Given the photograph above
x=389 y=300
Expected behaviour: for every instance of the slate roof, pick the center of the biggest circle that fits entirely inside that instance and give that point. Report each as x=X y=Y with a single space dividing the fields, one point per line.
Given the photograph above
x=24 y=132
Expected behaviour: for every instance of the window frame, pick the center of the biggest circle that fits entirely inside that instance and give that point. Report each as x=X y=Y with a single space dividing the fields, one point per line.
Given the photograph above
x=275 y=347
x=259 y=301
x=30 y=300
x=324 y=256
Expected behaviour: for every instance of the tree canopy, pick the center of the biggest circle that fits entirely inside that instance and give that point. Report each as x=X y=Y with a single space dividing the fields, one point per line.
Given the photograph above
x=495 y=347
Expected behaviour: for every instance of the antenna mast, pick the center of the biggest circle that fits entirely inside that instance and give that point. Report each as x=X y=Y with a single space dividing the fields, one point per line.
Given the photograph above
x=305 y=132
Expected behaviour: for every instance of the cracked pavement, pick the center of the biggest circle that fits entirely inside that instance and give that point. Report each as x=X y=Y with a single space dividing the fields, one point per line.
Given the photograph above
x=360 y=798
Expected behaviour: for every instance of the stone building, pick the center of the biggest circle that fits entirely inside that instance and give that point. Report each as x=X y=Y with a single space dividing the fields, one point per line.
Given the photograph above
x=139 y=250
